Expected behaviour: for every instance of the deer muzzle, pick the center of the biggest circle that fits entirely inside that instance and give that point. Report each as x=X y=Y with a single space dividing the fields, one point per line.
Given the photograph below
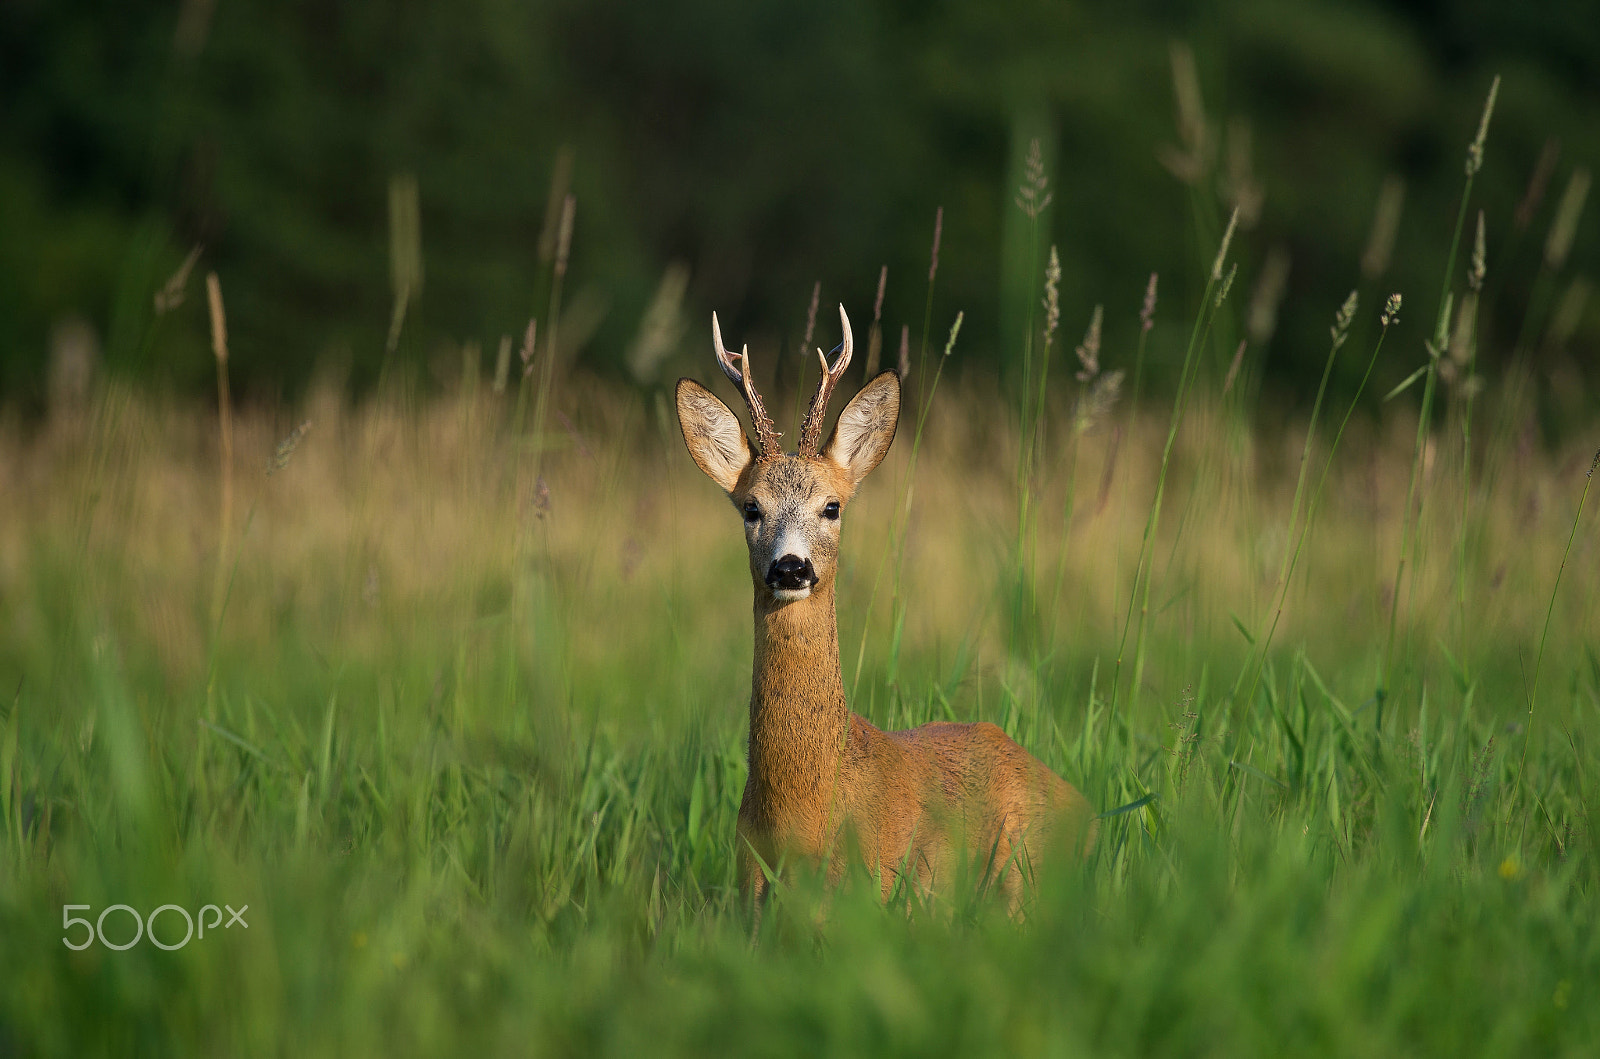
x=791 y=574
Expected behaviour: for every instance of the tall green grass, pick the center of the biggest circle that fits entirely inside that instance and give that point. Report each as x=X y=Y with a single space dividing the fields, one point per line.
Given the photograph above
x=468 y=736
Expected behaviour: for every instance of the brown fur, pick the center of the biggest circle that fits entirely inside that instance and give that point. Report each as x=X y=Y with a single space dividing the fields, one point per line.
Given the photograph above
x=822 y=778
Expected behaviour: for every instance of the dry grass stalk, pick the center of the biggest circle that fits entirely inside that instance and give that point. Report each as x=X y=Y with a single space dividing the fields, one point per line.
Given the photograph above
x=1262 y=317
x=569 y=210
x=219 y=349
x=1385 y=224
x=1569 y=312
x=529 y=343
x=1233 y=367
x=1538 y=183
x=502 y=364
x=875 y=335
x=405 y=251
x=1565 y=227
x=560 y=184
x=1241 y=189
x=811 y=319
x=172 y=293
x=1189 y=161
x=662 y=327
x=1457 y=367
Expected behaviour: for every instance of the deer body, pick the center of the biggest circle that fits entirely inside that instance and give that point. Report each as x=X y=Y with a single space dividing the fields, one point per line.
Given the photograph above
x=823 y=780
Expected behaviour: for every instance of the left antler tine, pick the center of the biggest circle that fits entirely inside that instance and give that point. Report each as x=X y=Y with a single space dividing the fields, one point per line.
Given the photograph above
x=741 y=376
x=747 y=383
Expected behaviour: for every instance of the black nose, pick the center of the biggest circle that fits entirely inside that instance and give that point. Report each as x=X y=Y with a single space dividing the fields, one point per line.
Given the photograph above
x=791 y=572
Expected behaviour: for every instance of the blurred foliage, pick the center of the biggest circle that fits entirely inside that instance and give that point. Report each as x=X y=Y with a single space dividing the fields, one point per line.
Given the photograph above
x=762 y=147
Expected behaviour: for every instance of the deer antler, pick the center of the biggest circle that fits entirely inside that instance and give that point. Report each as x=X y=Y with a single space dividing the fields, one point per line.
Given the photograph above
x=811 y=432
x=739 y=373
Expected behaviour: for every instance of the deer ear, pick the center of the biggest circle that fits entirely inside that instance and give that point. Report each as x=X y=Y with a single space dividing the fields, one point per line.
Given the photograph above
x=711 y=430
x=865 y=429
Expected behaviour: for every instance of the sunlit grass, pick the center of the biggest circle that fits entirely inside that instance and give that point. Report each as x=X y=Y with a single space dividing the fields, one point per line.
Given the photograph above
x=468 y=739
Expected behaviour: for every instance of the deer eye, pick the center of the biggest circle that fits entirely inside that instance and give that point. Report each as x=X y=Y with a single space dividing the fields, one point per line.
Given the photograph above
x=830 y=509
x=752 y=511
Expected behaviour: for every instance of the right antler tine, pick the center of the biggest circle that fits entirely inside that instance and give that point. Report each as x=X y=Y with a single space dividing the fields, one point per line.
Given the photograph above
x=811 y=432
x=849 y=343
x=724 y=357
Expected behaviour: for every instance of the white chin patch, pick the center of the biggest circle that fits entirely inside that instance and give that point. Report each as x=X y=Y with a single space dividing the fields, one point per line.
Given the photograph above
x=790 y=595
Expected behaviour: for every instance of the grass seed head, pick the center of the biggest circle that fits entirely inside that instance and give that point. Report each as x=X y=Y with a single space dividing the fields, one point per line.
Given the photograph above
x=1233 y=368
x=1479 y=266
x=1089 y=352
x=526 y=352
x=1391 y=311
x=1441 y=328
x=560 y=182
x=171 y=294
x=1052 y=296
x=1227 y=284
x=1559 y=243
x=1032 y=194
x=1147 y=314
x=1099 y=401
x=1189 y=162
x=569 y=209
x=1475 y=150
x=1241 y=188
x=286 y=448
x=1456 y=369
x=1342 y=319
x=1222 y=250
x=950 y=343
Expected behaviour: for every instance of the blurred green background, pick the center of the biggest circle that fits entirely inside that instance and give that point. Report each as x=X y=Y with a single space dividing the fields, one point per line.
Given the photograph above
x=755 y=149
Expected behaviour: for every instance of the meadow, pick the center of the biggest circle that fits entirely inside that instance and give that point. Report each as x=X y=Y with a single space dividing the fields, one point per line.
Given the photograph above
x=449 y=688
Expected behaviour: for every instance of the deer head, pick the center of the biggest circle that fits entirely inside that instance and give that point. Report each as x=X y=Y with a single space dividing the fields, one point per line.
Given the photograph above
x=791 y=503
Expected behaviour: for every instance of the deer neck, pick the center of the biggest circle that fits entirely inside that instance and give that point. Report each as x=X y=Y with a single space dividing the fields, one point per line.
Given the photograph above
x=798 y=715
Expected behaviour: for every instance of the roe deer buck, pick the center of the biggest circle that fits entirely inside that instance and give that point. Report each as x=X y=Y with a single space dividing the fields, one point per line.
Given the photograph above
x=911 y=801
